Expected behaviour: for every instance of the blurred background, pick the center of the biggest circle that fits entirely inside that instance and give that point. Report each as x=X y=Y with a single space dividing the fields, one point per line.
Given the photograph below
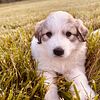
x=7 y=1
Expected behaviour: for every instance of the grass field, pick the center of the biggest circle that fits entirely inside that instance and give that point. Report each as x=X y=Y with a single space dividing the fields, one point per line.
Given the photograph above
x=18 y=79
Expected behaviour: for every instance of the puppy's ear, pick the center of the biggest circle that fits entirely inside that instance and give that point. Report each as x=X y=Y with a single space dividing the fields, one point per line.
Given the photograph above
x=38 y=30
x=82 y=30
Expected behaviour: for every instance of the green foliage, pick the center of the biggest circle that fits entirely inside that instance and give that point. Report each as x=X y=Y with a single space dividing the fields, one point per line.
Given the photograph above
x=18 y=78
x=18 y=72
x=76 y=92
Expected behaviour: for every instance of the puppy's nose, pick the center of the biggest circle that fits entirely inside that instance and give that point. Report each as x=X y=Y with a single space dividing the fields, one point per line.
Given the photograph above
x=58 y=51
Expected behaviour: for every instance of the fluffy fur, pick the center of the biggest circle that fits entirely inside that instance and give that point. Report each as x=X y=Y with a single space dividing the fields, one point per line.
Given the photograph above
x=71 y=63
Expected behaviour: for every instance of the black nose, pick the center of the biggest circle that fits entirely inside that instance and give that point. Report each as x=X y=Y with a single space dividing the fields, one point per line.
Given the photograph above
x=58 y=51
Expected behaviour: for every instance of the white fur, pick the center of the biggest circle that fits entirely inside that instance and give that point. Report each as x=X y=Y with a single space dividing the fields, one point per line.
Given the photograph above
x=70 y=65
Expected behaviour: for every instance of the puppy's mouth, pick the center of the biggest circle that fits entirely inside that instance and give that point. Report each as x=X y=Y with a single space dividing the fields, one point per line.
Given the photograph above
x=58 y=56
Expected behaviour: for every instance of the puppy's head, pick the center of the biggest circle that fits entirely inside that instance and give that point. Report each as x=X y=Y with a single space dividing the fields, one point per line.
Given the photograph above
x=60 y=34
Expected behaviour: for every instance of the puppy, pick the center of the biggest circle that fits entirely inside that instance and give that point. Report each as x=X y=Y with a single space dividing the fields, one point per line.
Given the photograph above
x=59 y=47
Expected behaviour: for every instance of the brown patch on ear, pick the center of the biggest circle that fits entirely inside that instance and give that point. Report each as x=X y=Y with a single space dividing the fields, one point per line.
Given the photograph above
x=38 y=30
x=82 y=30
x=38 y=36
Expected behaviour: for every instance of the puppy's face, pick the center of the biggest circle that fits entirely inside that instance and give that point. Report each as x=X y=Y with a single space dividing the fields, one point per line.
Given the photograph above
x=60 y=34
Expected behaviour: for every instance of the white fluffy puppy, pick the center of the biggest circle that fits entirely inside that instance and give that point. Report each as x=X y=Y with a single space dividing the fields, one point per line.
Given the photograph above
x=59 y=46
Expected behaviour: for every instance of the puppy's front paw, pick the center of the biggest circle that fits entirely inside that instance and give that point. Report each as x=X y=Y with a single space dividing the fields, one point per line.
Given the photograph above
x=50 y=95
x=87 y=95
x=90 y=94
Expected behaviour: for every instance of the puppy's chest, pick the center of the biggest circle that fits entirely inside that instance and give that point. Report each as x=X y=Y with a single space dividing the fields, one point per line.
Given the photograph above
x=57 y=66
x=62 y=67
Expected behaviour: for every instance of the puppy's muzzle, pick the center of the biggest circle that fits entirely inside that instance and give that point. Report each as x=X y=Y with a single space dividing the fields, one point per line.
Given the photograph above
x=58 y=51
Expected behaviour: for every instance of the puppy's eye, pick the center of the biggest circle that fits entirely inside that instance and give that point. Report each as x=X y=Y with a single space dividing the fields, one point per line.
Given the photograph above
x=68 y=34
x=49 y=34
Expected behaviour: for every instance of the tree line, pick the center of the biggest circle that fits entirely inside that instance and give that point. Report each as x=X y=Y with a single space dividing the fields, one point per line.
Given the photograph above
x=7 y=1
